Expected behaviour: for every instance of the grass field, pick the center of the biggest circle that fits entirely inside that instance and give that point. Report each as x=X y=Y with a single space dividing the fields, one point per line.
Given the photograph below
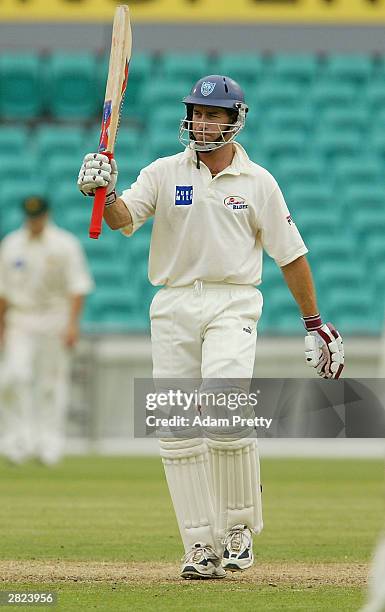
x=102 y=534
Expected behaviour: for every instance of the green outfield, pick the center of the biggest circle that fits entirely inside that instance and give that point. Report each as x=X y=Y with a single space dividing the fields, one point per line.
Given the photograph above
x=101 y=533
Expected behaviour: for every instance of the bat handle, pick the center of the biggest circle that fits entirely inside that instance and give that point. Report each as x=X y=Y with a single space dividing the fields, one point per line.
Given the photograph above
x=98 y=208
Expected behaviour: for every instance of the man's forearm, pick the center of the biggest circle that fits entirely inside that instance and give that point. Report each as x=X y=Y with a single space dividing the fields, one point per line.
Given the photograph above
x=299 y=279
x=76 y=307
x=117 y=215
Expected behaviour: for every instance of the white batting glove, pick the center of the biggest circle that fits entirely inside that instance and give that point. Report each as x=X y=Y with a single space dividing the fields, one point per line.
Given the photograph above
x=97 y=171
x=324 y=348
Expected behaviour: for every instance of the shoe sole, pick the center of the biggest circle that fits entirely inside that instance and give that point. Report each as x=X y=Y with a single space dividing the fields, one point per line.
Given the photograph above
x=192 y=574
x=232 y=567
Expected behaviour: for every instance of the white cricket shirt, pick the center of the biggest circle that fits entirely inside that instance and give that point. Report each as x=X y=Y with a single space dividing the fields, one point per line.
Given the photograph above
x=211 y=229
x=38 y=276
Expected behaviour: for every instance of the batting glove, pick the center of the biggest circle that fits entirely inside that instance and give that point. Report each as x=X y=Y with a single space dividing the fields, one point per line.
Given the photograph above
x=324 y=349
x=98 y=171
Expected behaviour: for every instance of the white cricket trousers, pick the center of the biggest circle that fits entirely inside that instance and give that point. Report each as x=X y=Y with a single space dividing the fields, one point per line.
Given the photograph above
x=206 y=330
x=34 y=391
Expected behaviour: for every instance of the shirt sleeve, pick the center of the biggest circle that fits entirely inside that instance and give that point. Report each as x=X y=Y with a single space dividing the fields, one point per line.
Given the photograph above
x=2 y=274
x=140 y=199
x=278 y=233
x=79 y=280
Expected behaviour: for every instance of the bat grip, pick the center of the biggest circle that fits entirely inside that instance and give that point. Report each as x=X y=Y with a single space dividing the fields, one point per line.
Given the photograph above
x=98 y=207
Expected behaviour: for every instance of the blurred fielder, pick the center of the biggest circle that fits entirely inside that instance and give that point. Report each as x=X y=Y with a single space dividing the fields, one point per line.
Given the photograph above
x=43 y=280
x=214 y=213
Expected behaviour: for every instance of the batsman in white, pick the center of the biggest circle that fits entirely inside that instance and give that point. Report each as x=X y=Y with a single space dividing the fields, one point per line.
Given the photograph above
x=214 y=212
x=43 y=281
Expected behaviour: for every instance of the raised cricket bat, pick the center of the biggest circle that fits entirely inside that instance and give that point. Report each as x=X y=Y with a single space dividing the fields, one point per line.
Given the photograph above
x=116 y=86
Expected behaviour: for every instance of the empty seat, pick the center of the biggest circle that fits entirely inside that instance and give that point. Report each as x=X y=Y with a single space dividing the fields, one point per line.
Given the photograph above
x=51 y=139
x=368 y=224
x=365 y=197
x=269 y=94
x=71 y=86
x=375 y=95
x=169 y=117
x=21 y=88
x=163 y=143
x=62 y=168
x=325 y=95
x=354 y=119
x=184 y=66
x=245 y=68
x=355 y=311
x=298 y=118
x=333 y=144
x=160 y=91
x=276 y=144
x=14 y=139
x=352 y=68
x=295 y=171
x=364 y=170
x=294 y=67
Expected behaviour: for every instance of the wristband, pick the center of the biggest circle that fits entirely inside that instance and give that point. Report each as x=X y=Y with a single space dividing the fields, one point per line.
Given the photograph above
x=312 y=323
x=110 y=198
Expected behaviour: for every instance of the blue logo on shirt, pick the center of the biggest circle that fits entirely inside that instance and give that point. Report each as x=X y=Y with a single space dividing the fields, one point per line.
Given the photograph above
x=183 y=195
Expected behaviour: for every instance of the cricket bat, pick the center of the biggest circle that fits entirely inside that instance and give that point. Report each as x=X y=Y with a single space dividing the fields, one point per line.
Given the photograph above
x=116 y=86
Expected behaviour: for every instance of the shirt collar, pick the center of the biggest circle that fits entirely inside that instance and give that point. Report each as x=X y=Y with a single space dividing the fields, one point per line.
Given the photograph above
x=240 y=164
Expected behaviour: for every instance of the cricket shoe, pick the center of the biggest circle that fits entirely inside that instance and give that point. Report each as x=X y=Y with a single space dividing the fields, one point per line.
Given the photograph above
x=238 y=549
x=202 y=562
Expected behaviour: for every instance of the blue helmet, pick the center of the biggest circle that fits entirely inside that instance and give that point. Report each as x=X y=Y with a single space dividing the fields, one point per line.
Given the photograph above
x=214 y=90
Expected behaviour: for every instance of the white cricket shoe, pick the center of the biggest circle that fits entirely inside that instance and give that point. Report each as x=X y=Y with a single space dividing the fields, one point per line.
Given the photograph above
x=238 y=549
x=202 y=562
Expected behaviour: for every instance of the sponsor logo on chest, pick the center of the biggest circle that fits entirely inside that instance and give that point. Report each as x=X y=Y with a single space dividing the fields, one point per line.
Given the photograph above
x=183 y=195
x=235 y=203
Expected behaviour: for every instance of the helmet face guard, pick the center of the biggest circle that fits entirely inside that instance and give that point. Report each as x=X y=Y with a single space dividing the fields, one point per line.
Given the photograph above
x=218 y=91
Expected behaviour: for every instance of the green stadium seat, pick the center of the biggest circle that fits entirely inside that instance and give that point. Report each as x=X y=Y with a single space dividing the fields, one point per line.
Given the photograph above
x=364 y=170
x=12 y=194
x=71 y=85
x=375 y=252
x=368 y=224
x=333 y=144
x=297 y=118
x=14 y=140
x=192 y=66
x=10 y=164
x=62 y=168
x=109 y=274
x=50 y=140
x=277 y=145
x=355 y=311
x=294 y=67
x=352 y=68
x=129 y=169
x=331 y=249
x=269 y=94
x=376 y=143
x=21 y=87
x=294 y=171
x=105 y=249
x=163 y=143
x=141 y=70
x=340 y=275
x=10 y=220
x=245 y=68
x=168 y=117
x=375 y=96
x=284 y=311
x=114 y=307
x=365 y=197
x=345 y=119
x=129 y=140
x=324 y=95
x=159 y=92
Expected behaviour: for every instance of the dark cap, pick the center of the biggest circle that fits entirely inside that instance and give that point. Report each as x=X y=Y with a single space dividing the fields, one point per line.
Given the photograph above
x=34 y=206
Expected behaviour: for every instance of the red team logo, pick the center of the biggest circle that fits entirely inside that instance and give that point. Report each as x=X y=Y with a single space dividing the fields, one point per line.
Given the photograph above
x=235 y=203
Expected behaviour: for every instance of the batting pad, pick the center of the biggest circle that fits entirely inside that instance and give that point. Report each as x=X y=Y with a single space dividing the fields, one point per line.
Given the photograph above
x=237 y=485
x=186 y=465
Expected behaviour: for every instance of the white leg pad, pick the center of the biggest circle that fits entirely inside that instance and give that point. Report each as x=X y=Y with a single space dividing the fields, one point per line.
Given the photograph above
x=237 y=485
x=187 y=469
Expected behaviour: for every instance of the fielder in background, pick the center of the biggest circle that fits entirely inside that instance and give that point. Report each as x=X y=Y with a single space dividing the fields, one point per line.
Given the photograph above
x=214 y=212
x=43 y=281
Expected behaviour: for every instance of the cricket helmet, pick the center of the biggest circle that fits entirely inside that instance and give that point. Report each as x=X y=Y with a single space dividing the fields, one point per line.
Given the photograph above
x=214 y=90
